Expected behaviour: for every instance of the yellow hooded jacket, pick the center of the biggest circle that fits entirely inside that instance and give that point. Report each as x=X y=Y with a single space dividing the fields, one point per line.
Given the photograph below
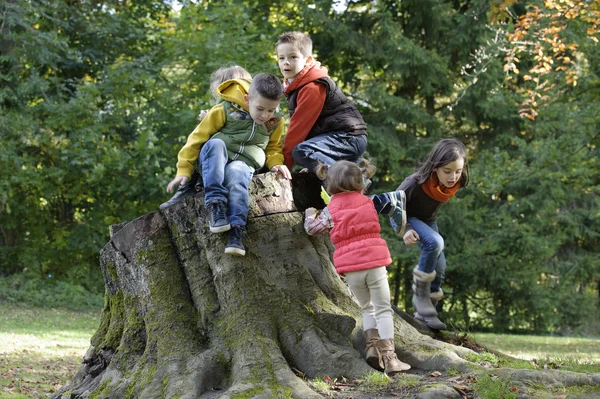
x=230 y=121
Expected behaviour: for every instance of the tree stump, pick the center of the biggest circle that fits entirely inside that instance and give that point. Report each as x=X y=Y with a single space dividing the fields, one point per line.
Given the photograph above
x=181 y=319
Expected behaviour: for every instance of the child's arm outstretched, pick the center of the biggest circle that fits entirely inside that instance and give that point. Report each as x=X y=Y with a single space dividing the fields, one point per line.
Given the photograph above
x=274 y=153
x=188 y=155
x=316 y=222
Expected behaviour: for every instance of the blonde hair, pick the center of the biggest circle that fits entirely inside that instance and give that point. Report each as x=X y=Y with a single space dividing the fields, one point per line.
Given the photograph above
x=226 y=73
x=345 y=176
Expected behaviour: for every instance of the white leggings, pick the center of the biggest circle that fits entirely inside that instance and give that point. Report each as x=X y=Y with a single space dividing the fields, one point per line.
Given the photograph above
x=372 y=290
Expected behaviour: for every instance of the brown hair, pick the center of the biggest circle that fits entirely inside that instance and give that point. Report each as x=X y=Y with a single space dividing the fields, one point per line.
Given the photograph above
x=345 y=176
x=226 y=73
x=266 y=85
x=299 y=39
x=444 y=152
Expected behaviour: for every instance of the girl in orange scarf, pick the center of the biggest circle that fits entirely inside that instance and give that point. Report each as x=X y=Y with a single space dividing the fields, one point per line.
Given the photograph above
x=434 y=182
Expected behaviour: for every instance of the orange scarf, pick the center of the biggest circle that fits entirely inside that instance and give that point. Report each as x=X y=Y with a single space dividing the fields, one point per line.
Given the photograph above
x=438 y=192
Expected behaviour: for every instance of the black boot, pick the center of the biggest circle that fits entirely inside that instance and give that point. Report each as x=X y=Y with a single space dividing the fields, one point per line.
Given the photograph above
x=234 y=241
x=185 y=190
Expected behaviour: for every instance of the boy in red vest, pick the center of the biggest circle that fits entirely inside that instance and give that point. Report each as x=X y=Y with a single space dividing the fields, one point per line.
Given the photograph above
x=325 y=125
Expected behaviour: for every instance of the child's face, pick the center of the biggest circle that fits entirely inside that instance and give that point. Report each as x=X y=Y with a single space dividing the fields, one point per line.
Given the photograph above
x=261 y=109
x=290 y=60
x=450 y=174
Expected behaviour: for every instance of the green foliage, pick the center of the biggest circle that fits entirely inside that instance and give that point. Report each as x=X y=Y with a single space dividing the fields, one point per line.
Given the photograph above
x=47 y=293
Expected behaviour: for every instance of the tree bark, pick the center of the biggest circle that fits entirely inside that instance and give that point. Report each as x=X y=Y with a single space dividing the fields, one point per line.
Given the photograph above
x=182 y=319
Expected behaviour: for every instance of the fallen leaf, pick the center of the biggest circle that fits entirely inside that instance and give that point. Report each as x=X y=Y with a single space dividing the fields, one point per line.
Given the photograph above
x=462 y=388
x=435 y=374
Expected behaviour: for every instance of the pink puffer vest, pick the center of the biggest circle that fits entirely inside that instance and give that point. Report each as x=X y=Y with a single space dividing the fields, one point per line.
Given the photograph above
x=356 y=234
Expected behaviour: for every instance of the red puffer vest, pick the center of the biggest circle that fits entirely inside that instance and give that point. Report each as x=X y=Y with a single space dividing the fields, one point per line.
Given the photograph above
x=355 y=234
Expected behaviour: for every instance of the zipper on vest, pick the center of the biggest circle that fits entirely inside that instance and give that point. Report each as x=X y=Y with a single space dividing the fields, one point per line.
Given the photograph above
x=242 y=145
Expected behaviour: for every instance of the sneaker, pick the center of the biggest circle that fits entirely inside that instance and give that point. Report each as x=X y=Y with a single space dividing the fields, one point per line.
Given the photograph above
x=234 y=241
x=193 y=186
x=367 y=183
x=398 y=213
x=217 y=220
x=184 y=191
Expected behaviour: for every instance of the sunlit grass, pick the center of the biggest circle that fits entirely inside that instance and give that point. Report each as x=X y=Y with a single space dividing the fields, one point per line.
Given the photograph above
x=41 y=348
x=531 y=347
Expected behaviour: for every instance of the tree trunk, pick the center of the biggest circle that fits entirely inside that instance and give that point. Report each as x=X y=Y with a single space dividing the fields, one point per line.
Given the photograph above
x=183 y=320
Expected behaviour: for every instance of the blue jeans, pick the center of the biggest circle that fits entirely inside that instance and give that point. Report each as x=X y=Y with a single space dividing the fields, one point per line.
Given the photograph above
x=328 y=148
x=225 y=180
x=431 y=245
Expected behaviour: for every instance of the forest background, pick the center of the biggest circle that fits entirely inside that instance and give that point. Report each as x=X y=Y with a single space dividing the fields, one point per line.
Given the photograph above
x=97 y=97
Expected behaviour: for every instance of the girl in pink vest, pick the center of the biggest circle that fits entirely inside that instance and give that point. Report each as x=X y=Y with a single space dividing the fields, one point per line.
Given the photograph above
x=361 y=255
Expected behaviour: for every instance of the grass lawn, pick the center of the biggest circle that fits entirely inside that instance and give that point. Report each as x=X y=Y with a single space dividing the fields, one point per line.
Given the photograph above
x=529 y=347
x=40 y=349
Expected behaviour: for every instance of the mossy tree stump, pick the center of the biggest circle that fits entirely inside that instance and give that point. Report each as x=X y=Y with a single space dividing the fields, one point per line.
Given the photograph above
x=183 y=320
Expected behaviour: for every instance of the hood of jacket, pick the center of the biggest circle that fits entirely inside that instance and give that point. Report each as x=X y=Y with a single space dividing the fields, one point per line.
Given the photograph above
x=234 y=90
x=312 y=71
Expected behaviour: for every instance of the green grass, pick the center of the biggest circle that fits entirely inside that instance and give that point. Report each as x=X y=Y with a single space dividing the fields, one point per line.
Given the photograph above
x=41 y=348
x=531 y=347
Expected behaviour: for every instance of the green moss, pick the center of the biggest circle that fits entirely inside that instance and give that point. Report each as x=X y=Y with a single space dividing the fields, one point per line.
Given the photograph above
x=165 y=384
x=516 y=364
x=111 y=269
x=176 y=313
x=100 y=390
x=104 y=322
x=248 y=394
x=406 y=380
x=117 y=319
x=374 y=380
x=494 y=387
x=483 y=357
x=279 y=391
x=452 y=371
x=319 y=385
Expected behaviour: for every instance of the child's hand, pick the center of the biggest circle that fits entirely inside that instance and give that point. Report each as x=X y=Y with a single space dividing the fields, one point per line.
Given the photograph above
x=176 y=182
x=310 y=212
x=283 y=170
x=202 y=114
x=411 y=237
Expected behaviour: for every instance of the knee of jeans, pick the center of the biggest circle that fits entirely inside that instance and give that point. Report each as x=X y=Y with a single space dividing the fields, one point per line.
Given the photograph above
x=300 y=155
x=239 y=167
x=434 y=243
x=213 y=144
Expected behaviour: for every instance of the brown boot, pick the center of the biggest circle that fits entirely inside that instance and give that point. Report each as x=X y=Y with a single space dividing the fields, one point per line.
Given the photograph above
x=390 y=360
x=371 y=351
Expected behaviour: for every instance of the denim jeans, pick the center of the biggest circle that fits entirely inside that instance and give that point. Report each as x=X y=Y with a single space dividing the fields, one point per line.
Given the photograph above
x=372 y=290
x=225 y=180
x=431 y=245
x=328 y=148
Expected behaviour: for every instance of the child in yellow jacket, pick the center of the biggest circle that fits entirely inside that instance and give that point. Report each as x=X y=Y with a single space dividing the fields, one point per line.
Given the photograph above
x=238 y=136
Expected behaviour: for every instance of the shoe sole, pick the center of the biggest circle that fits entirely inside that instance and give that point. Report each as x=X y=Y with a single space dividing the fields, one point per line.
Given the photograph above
x=403 y=202
x=374 y=362
x=235 y=251
x=220 y=229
